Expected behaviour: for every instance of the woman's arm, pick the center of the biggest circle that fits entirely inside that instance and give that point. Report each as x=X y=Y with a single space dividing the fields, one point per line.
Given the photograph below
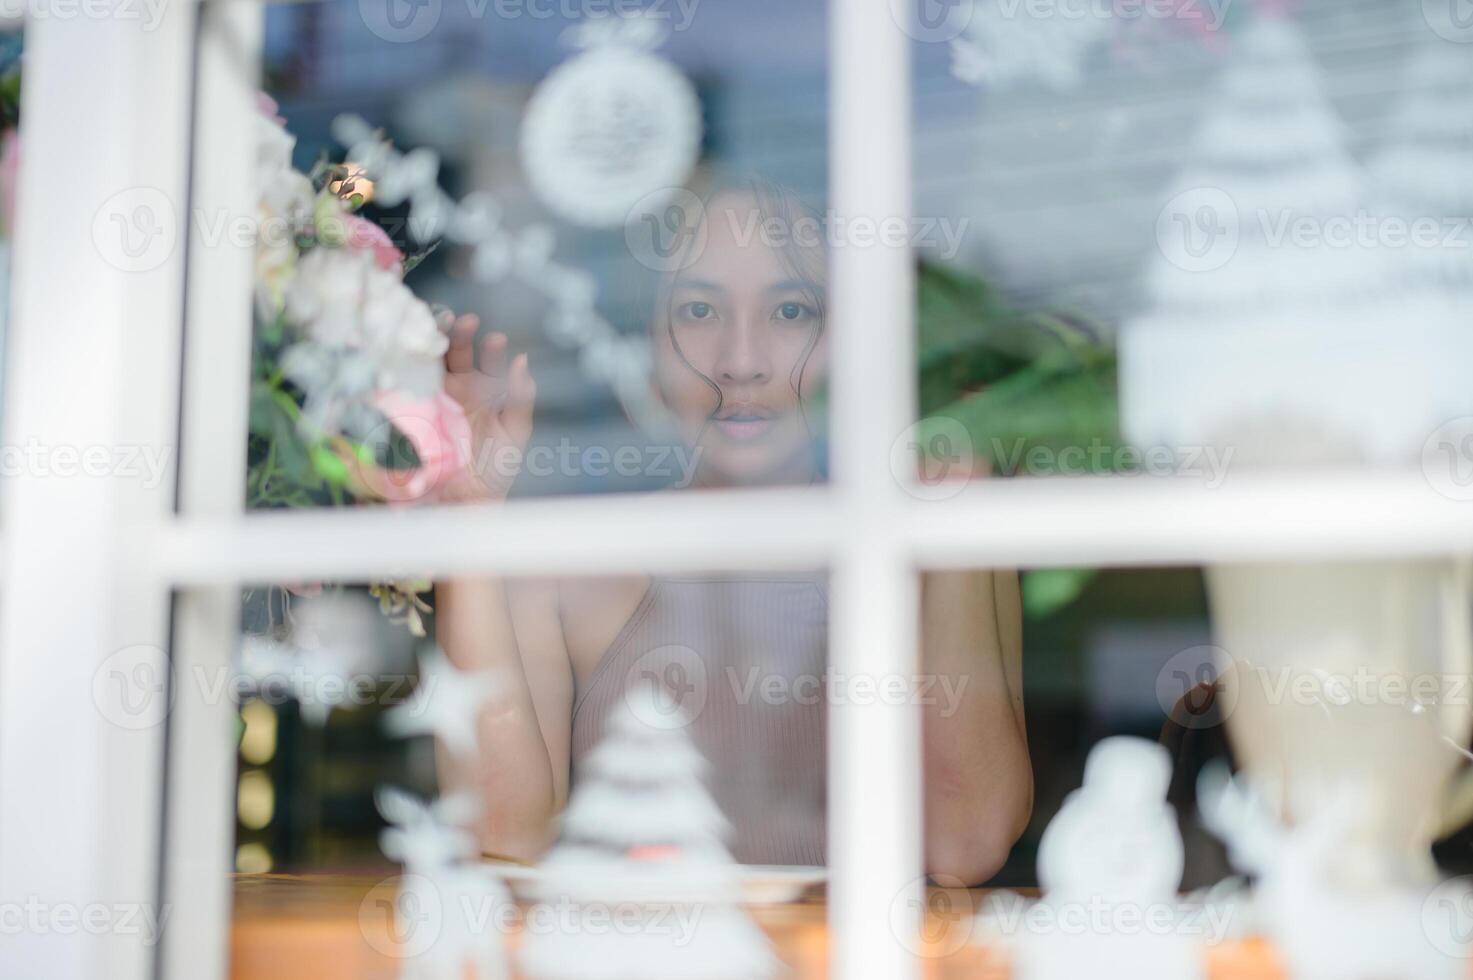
x=978 y=780
x=521 y=769
x=513 y=629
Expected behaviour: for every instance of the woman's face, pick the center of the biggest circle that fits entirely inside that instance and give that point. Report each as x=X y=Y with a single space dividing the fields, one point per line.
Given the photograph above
x=739 y=343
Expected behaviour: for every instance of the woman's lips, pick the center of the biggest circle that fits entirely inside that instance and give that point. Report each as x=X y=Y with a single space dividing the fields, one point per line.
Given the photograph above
x=744 y=428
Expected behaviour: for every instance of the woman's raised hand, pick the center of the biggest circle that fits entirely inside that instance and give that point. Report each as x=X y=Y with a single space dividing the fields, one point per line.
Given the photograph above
x=497 y=397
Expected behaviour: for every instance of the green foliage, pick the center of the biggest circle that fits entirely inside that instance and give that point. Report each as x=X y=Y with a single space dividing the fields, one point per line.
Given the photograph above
x=1026 y=385
x=1047 y=590
x=284 y=467
x=11 y=48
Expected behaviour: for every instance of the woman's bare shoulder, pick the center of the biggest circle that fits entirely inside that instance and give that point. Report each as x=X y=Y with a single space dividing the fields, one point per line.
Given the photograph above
x=593 y=610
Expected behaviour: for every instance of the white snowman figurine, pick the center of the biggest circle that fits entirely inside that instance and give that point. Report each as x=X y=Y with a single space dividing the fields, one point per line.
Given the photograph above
x=1110 y=864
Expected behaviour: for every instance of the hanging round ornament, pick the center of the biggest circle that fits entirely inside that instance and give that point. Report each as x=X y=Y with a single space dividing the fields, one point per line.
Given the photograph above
x=611 y=126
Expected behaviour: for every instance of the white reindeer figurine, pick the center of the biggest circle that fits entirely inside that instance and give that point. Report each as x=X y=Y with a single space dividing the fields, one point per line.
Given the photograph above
x=446 y=911
x=1322 y=925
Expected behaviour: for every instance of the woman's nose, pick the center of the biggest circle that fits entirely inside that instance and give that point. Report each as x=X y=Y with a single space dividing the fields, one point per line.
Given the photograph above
x=744 y=357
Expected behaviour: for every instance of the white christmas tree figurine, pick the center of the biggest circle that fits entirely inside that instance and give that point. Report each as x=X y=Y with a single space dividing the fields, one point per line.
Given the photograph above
x=642 y=844
x=446 y=908
x=445 y=703
x=1110 y=861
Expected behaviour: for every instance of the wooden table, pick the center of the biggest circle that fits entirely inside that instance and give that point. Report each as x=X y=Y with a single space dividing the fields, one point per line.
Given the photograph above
x=324 y=926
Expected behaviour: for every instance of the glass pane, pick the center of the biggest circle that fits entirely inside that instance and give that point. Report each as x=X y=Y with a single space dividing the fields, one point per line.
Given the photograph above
x=1183 y=238
x=464 y=201
x=556 y=772
x=1182 y=731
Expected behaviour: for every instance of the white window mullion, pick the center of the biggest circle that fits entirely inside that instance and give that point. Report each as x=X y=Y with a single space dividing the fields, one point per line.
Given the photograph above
x=1250 y=516
x=657 y=532
x=1029 y=523
x=200 y=813
x=874 y=799
x=90 y=371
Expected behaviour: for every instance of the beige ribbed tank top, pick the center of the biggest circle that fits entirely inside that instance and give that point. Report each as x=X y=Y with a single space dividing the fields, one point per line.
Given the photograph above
x=743 y=658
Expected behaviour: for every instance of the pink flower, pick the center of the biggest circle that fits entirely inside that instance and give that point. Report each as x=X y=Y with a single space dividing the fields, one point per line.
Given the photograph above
x=364 y=235
x=441 y=436
x=267 y=107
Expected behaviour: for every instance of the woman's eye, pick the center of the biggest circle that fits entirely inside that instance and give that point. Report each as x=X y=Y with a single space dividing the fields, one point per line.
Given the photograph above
x=699 y=311
x=792 y=311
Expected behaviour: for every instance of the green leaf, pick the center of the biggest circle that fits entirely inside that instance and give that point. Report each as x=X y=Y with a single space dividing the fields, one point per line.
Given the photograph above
x=968 y=338
x=1047 y=590
x=410 y=261
x=292 y=456
x=1040 y=406
x=329 y=465
x=264 y=410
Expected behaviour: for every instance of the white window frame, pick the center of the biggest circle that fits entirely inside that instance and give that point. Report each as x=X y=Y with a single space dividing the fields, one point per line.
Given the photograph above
x=99 y=834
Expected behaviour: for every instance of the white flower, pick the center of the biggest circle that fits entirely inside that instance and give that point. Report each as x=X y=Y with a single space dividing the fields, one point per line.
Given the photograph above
x=342 y=300
x=284 y=191
x=284 y=208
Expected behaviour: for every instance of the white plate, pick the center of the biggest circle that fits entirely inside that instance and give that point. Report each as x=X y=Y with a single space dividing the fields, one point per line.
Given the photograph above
x=761 y=884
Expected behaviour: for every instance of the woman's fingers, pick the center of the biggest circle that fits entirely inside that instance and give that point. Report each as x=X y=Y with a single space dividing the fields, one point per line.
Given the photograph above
x=493 y=354
x=461 y=356
x=521 y=397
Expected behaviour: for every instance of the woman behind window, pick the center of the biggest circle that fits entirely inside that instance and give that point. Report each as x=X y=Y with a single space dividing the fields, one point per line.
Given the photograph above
x=740 y=347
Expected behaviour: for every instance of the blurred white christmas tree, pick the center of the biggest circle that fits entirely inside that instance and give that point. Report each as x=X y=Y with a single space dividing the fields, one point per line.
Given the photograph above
x=641 y=846
x=1273 y=322
x=1424 y=172
x=1268 y=169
